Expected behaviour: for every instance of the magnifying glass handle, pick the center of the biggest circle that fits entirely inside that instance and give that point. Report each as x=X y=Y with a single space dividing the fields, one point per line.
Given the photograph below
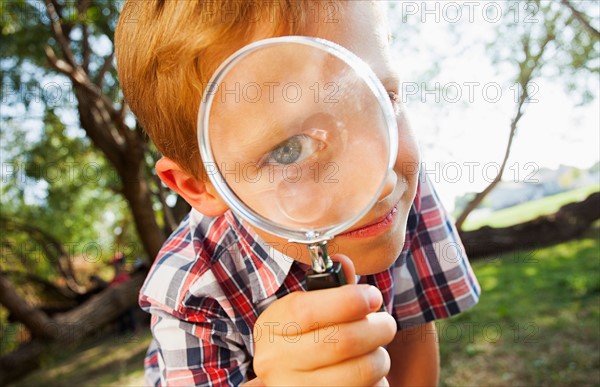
x=324 y=273
x=330 y=278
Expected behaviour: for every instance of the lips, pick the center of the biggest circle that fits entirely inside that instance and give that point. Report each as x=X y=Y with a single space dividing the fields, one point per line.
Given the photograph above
x=375 y=227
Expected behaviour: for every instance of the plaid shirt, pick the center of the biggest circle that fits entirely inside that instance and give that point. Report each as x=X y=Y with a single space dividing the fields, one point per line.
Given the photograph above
x=214 y=276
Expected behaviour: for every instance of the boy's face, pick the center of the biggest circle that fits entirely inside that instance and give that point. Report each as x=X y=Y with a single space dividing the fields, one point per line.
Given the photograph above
x=377 y=239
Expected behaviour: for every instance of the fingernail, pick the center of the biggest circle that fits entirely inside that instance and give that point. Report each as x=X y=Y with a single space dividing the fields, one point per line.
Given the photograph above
x=375 y=297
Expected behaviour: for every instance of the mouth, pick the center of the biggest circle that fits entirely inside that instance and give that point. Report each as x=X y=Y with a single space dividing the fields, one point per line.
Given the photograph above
x=374 y=228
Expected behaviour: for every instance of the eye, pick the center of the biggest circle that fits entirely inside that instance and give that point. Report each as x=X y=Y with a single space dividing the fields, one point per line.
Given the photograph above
x=293 y=150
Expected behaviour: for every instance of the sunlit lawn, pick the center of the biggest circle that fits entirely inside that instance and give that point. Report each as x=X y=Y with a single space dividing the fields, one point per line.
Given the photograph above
x=537 y=323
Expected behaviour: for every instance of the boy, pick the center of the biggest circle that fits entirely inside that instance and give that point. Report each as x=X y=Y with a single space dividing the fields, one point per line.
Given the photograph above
x=227 y=305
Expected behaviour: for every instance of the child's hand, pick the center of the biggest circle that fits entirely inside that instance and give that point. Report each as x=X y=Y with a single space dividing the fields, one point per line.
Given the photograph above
x=325 y=337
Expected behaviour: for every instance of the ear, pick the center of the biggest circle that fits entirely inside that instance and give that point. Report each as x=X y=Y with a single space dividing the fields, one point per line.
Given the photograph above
x=199 y=194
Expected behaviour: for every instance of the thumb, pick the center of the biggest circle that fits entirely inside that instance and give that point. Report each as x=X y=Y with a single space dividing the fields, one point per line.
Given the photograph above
x=347 y=266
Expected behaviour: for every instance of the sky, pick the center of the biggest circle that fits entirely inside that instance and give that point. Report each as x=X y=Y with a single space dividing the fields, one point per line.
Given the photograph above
x=463 y=130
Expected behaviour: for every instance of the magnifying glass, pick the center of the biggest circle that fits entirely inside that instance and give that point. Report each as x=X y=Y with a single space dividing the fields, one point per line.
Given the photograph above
x=297 y=135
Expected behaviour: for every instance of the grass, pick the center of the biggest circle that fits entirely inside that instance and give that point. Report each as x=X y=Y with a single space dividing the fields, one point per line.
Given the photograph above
x=530 y=210
x=107 y=360
x=537 y=323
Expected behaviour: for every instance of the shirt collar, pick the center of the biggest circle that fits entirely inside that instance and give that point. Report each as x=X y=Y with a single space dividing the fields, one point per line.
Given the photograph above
x=267 y=267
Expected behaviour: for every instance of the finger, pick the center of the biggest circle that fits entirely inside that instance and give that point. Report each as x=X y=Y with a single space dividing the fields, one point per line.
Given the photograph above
x=382 y=383
x=335 y=343
x=365 y=370
x=347 y=266
x=335 y=305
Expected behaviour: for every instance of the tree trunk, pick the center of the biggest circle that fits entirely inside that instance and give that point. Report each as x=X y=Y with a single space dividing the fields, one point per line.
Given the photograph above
x=98 y=311
x=21 y=362
x=35 y=320
x=66 y=328
x=138 y=195
x=129 y=163
x=104 y=123
x=570 y=222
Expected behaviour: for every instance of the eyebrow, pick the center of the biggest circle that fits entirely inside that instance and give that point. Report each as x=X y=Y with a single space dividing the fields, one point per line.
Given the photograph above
x=391 y=82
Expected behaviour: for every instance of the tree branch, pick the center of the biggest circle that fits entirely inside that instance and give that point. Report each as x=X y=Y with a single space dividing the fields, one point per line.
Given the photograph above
x=80 y=78
x=525 y=76
x=582 y=18
x=82 y=8
x=48 y=243
x=46 y=285
x=57 y=29
x=35 y=320
x=106 y=65
x=98 y=125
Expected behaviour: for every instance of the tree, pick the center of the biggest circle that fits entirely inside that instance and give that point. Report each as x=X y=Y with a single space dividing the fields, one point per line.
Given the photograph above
x=557 y=39
x=60 y=56
x=71 y=154
x=65 y=328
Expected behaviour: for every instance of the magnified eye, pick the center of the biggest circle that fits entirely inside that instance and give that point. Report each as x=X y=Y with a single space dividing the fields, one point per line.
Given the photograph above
x=293 y=150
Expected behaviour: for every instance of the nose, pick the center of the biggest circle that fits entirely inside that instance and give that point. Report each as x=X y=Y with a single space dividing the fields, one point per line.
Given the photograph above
x=389 y=184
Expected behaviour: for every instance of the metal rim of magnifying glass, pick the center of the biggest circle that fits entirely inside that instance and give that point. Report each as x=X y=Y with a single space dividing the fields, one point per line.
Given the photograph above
x=237 y=205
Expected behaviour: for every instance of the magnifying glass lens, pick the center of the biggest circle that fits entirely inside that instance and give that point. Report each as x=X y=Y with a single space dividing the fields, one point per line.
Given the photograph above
x=298 y=134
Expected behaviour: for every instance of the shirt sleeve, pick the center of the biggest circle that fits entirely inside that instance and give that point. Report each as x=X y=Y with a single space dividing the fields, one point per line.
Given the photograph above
x=432 y=278
x=204 y=352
